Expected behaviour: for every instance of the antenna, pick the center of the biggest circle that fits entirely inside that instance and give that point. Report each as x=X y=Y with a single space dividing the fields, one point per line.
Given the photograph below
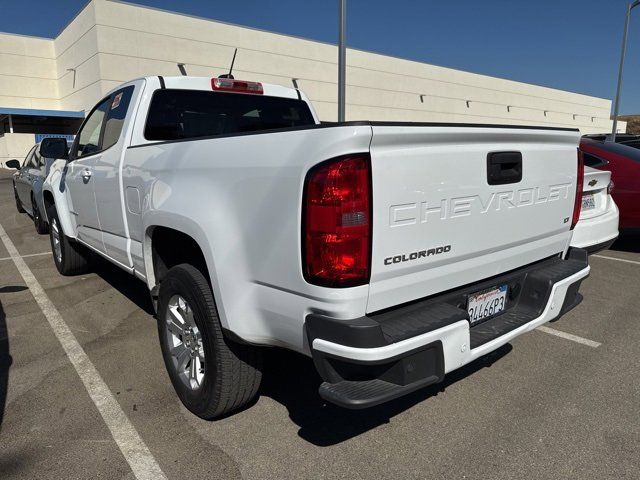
x=233 y=60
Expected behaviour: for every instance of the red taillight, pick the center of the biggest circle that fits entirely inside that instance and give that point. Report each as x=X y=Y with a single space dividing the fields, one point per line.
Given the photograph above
x=239 y=86
x=336 y=232
x=579 y=185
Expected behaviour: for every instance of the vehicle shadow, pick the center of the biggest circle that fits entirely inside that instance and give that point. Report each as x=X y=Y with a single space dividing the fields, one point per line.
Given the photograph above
x=12 y=288
x=5 y=362
x=291 y=379
x=627 y=242
x=132 y=288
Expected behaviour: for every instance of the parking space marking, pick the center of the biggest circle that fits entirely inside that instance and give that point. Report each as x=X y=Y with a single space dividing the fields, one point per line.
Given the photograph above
x=26 y=256
x=569 y=336
x=617 y=259
x=133 y=448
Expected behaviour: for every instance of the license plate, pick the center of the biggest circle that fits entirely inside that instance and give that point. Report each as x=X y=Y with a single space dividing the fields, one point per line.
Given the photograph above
x=487 y=303
x=588 y=202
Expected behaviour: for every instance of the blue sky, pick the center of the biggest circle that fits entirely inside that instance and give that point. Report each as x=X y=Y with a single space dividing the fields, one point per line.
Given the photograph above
x=568 y=44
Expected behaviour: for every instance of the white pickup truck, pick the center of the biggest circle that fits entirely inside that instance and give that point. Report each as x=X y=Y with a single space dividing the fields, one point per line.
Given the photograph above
x=391 y=253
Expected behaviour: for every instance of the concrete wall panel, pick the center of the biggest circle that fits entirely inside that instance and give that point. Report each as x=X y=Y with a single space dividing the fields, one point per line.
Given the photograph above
x=15 y=146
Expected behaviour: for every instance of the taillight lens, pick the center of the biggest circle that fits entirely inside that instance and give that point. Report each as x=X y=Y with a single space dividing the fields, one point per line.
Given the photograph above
x=337 y=222
x=238 y=86
x=579 y=186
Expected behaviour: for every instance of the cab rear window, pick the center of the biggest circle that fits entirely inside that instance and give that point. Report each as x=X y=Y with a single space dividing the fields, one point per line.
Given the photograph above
x=179 y=114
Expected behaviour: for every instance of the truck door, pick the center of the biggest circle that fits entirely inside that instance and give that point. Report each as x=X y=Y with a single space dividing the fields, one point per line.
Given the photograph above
x=79 y=176
x=107 y=174
x=22 y=180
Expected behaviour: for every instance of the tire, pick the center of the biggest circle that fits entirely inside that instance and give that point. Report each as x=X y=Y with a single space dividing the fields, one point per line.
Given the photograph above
x=227 y=374
x=70 y=257
x=41 y=226
x=18 y=202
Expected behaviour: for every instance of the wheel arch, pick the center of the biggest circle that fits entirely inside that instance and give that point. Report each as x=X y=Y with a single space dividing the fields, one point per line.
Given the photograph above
x=54 y=195
x=180 y=240
x=38 y=195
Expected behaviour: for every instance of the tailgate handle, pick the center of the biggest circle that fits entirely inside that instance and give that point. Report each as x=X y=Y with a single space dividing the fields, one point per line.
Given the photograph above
x=504 y=167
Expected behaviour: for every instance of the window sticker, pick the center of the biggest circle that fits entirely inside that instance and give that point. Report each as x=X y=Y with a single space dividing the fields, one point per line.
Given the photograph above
x=116 y=101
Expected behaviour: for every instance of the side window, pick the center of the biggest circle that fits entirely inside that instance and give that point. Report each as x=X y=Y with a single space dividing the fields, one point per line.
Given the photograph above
x=27 y=159
x=89 y=136
x=593 y=161
x=37 y=161
x=115 y=116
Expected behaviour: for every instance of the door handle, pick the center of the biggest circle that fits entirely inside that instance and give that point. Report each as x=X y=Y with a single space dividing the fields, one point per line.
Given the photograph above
x=86 y=174
x=504 y=168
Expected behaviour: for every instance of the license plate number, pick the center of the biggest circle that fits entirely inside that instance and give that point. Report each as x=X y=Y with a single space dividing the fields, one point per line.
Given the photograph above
x=588 y=202
x=487 y=303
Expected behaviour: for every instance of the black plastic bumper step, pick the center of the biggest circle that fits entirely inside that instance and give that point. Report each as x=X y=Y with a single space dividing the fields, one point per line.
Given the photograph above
x=529 y=290
x=367 y=393
x=354 y=383
x=536 y=290
x=500 y=325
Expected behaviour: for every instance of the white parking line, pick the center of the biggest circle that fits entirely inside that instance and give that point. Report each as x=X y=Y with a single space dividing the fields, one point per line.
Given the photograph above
x=135 y=451
x=569 y=336
x=617 y=259
x=27 y=256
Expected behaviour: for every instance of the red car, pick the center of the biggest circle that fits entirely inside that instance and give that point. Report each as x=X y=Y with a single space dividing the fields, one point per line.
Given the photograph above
x=622 y=159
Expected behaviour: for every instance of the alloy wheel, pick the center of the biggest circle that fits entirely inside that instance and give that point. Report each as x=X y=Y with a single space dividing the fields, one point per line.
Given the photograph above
x=55 y=236
x=184 y=340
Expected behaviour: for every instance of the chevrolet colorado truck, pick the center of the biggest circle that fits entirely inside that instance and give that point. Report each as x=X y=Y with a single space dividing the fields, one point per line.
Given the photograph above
x=390 y=253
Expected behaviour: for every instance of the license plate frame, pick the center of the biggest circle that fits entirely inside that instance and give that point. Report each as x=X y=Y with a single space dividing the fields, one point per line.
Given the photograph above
x=487 y=303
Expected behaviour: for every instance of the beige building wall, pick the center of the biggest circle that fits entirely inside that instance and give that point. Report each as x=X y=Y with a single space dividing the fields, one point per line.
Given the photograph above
x=110 y=42
x=28 y=76
x=136 y=41
x=27 y=80
x=16 y=146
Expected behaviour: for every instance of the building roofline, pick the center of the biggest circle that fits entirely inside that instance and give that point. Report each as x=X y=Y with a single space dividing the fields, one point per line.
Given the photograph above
x=213 y=20
x=26 y=36
x=198 y=17
x=59 y=31
x=73 y=18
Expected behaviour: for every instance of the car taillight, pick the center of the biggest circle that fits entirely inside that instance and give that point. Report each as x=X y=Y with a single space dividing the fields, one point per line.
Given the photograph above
x=336 y=226
x=579 y=186
x=238 y=86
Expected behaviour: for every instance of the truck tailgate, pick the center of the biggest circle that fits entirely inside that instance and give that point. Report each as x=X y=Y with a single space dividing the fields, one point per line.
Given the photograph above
x=449 y=207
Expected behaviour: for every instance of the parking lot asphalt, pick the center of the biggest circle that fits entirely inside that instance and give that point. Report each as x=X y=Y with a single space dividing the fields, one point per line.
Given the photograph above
x=541 y=407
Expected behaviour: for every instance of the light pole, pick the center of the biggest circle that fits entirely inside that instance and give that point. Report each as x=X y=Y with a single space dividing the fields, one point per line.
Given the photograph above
x=342 y=53
x=616 y=107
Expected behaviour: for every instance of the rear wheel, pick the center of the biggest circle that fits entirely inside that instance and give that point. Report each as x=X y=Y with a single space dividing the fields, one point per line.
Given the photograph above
x=18 y=202
x=38 y=221
x=69 y=256
x=211 y=375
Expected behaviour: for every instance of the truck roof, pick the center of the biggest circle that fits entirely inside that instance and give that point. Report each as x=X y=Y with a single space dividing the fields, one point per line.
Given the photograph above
x=204 y=83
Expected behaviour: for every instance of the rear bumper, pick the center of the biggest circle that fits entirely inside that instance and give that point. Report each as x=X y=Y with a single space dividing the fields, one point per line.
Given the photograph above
x=373 y=359
x=600 y=246
x=597 y=233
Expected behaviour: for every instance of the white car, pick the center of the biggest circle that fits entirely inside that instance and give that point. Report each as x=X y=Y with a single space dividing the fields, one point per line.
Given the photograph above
x=390 y=253
x=597 y=228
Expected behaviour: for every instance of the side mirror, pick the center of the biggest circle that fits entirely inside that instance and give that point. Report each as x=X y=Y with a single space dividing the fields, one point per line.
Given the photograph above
x=15 y=164
x=54 y=148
